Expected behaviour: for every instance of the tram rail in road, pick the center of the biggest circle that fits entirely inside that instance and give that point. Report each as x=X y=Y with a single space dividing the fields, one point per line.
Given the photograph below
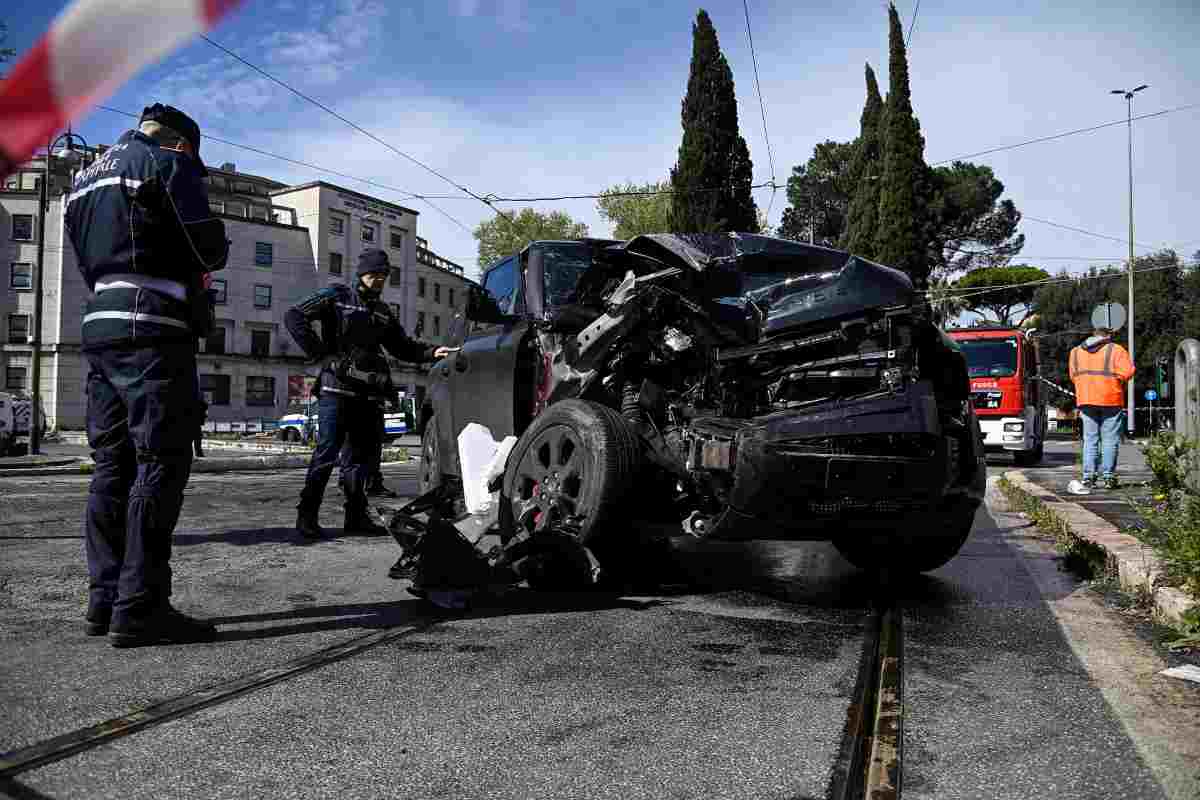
x=869 y=764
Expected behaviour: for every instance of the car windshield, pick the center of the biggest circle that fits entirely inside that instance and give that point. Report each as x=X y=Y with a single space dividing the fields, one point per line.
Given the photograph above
x=775 y=291
x=994 y=358
x=562 y=266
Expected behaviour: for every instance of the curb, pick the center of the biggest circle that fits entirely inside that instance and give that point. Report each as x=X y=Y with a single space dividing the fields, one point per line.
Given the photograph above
x=1133 y=562
x=241 y=464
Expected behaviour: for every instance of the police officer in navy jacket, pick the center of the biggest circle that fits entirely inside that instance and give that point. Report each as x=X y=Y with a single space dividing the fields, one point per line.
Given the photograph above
x=355 y=379
x=146 y=242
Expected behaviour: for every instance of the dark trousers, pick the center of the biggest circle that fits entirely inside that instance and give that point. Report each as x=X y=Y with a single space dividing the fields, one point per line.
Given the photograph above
x=348 y=421
x=141 y=411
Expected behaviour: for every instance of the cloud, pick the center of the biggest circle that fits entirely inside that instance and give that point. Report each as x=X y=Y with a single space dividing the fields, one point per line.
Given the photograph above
x=342 y=37
x=511 y=16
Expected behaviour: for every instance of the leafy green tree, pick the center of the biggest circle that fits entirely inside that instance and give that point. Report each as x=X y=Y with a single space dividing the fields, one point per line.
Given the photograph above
x=1006 y=292
x=819 y=195
x=499 y=238
x=901 y=237
x=713 y=174
x=947 y=304
x=1166 y=293
x=635 y=209
x=970 y=227
x=862 y=215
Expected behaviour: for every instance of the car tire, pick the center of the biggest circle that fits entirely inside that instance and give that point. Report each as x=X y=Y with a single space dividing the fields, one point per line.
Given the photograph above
x=429 y=472
x=1030 y=458
x=585 y=456
x=907 y=553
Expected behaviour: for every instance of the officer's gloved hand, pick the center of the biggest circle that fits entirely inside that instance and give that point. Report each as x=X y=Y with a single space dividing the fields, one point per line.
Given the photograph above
x=328 y=363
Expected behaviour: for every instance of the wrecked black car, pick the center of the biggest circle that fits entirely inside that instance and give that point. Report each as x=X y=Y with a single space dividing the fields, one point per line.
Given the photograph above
x=735 y=385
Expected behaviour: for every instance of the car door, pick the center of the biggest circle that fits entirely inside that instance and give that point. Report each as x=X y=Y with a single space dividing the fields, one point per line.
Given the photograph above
x=479 y=379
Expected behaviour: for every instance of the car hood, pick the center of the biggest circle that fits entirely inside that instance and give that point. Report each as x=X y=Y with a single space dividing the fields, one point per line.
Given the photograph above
x=784 y=284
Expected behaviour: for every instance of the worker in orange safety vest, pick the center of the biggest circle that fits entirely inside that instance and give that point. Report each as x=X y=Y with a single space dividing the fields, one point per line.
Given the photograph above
x=1100 y=368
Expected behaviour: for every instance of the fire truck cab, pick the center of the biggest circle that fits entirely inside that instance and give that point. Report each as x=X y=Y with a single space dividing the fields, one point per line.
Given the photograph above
x=1006 y=390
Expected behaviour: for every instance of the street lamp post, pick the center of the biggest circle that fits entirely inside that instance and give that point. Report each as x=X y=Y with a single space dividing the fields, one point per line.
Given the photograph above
x=35 y=416
x=1128 y=94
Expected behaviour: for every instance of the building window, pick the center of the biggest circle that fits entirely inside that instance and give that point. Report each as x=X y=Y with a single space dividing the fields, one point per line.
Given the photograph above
x=216 y=206
x=397 y=239
x=220 y=291
x=420 y=326
x=262 y=295
x=396 y=310
x=18 y=328
x=22 y=227
x=260 y=390
x=420 y=287
x=21 y=276
x=394 y=276
x=335 y=263
x=437 y=325
x=264 y=253
x=450 y=296
x=437 y=292
x=215 y=389
x=337 y=226
x=368 y=233
x=14 y=379
x=260 y=343
x=214 y=344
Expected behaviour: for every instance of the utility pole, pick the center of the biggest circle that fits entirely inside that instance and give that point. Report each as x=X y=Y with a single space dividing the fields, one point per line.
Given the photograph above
x=1128 y=94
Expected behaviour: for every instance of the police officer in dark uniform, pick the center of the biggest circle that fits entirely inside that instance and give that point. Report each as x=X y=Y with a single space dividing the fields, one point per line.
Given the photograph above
x=146 y=242
x=354 y=380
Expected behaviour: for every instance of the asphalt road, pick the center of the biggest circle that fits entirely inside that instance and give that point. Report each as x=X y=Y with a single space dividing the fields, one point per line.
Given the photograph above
x=736 y=683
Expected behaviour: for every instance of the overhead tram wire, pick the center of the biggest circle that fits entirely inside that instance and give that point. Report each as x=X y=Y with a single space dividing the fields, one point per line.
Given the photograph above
x=1064 y=134
x=761 y=107
x=944 y=294
x=407 y=194
x=912 y=24
x=1087 y=233
x=355 y=126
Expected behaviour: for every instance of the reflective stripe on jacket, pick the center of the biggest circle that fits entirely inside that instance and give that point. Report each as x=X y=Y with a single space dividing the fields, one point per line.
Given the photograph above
x=1100 y=374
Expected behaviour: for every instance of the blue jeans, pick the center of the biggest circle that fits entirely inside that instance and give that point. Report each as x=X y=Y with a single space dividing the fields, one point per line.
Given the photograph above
x=141 y=417
x=349 y=421
x=1102 y=427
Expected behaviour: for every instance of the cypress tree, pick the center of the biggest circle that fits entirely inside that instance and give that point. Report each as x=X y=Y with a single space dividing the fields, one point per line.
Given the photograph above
x=863 y=215
x=900 y=237
x=713 y=175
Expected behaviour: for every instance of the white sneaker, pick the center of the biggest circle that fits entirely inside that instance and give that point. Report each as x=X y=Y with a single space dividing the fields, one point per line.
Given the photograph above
x=1078 y=487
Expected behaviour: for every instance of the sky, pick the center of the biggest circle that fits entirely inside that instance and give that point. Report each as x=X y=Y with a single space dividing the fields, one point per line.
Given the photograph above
x=521 y=98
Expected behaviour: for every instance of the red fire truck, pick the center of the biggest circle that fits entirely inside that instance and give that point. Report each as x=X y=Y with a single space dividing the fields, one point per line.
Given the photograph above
x=1007 y=393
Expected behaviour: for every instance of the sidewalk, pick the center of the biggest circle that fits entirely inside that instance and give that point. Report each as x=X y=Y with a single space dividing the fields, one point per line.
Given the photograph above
x=1101 y=516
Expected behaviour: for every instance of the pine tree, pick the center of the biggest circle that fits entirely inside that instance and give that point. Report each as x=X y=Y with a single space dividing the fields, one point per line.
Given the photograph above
x=901 y=235
x=713 y=175
x=863 y=215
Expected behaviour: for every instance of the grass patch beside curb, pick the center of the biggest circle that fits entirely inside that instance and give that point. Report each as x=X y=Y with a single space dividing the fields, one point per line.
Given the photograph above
x=1083 y=558
x=1091 y=562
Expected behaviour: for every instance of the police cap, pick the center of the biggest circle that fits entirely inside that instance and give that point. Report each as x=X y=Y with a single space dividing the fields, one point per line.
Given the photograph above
x=370 y=261
x=179 y=122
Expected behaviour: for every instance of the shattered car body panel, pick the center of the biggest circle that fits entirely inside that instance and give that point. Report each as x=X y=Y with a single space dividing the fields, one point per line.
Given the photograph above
x=767 y=381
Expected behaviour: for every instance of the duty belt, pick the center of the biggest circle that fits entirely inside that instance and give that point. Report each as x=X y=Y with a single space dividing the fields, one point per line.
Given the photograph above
x=373 y=378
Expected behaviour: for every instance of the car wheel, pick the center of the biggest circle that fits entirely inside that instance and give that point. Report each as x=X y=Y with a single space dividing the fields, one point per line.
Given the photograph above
x=910 y=554
x=1029 y=458
x=576 y=462
x=429 y=473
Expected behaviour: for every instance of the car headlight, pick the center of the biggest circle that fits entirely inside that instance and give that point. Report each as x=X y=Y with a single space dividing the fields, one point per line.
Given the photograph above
x=1014 y=427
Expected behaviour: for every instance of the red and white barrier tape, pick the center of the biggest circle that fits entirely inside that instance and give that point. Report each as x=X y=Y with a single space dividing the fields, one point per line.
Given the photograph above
x=92 y=48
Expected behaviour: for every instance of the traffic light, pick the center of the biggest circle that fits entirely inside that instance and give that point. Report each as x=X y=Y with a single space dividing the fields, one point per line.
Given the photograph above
x=1164 y=386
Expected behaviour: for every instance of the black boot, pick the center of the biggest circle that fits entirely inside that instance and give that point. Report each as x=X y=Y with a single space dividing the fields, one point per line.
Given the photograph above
x=307 y=525
x=377 y=489
x=360 y=522
x=165 y=625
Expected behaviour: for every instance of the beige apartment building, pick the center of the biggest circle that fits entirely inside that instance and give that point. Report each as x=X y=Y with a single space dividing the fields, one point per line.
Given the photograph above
x=287 y=242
